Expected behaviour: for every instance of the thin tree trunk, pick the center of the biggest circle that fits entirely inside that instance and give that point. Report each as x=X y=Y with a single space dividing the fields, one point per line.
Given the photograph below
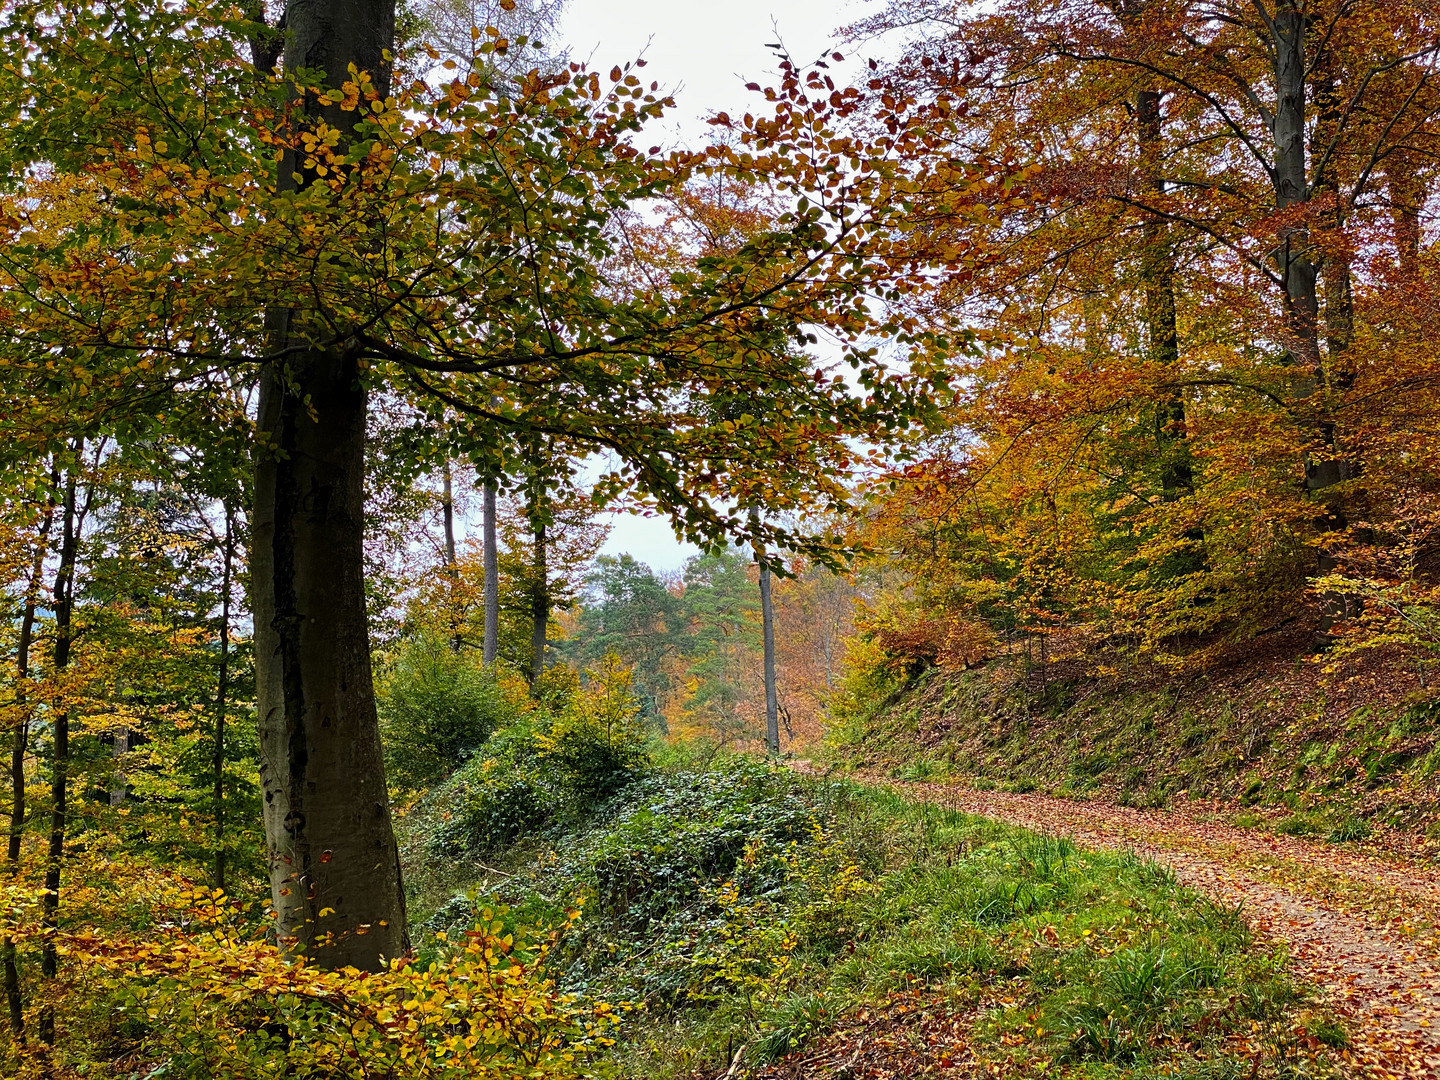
x=452 y=570
x=767 y=622
x=329 y=839
x=71 y=518
x=1331 y=467
x=1158 y=274
x=447 y=505
x=492 y=580
x=20 y=739
x=222 y=688
x=539 y=604
x=1296 y=260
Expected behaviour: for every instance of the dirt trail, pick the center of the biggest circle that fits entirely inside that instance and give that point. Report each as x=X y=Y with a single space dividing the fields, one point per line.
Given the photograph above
x=1367 y=926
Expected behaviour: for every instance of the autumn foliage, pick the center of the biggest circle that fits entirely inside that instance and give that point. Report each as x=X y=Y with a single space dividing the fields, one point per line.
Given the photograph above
x=1108 y=323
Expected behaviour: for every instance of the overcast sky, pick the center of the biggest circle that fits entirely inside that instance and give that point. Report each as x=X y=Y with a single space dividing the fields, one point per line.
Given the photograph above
x=703 y=53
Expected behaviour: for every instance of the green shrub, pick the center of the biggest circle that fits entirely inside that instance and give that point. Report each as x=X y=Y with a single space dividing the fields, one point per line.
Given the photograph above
x=546 y=767
x=437 y=709
x=491 y=804
x=596 y=743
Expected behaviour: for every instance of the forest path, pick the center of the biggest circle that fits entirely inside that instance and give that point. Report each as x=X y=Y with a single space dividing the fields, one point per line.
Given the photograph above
x=1364 y=925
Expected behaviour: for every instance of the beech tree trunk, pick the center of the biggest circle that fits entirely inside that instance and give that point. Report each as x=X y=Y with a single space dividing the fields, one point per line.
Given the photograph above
x=492 y=580
x=447 y=508
x=222 y=689
x=328 y=832
x=452 y=569
x=1157 y=269
x=1331 y=467
x=327 y=814
x=767 y=623
x=1291 y=183
x=20 y=740
x=71 y=519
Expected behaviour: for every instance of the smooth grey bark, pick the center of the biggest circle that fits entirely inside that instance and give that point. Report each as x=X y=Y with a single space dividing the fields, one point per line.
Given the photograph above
x=539 y=602
x=1157 y=271
x=222 y=690
x=1336 y=275
x=1291 y=182
x=71 y=520
x=492 y=580
x=447 y=508
x=452 y=568
x=329 y=838
x=767 y=623
x=327 y=816
x=19 y=746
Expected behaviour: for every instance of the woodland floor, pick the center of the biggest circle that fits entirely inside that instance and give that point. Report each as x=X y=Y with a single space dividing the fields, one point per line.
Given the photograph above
x=1362 y=921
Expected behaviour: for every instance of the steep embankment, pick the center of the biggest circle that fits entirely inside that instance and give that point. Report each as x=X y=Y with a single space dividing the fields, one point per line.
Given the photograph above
x=1273 y=735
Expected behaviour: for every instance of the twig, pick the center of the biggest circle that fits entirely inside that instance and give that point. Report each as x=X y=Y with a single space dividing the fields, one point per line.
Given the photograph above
x=735 y=1062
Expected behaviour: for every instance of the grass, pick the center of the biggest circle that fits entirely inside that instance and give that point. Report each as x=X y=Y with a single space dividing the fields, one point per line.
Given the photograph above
x=747 y=908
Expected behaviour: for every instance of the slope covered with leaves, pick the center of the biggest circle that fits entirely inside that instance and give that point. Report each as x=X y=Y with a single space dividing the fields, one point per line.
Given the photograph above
x=1274 y=733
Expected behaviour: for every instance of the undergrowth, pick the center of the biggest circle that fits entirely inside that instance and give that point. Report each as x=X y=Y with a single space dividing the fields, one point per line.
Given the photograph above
x=734 y=909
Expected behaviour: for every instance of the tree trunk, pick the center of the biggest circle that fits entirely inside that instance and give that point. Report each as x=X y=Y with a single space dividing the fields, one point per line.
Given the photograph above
x=1295 y=258
x=222 y=688
x=452 y=569
x=767 y=622
x=1157 y=270
x=539 y=604
x=20 y=739
x=71 y=519
x=492 y=580
x=447 y=506
x=327 y=815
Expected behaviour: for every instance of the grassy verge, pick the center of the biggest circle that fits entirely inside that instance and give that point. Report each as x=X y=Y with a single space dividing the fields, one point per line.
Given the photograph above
x=735 y=910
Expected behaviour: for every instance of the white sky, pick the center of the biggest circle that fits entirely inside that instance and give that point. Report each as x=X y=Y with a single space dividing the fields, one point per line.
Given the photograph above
x=703 y=54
